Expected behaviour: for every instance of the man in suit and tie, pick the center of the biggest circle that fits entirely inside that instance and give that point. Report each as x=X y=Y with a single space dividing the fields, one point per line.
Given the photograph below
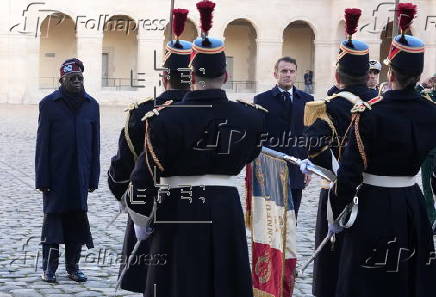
x=284 y=121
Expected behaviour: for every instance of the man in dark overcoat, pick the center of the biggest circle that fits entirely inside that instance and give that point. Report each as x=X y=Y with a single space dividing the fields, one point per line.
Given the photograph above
x=284 y=121
x=67 y=167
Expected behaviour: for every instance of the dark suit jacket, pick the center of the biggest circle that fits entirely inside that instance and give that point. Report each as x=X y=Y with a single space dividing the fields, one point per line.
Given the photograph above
x=285 y=127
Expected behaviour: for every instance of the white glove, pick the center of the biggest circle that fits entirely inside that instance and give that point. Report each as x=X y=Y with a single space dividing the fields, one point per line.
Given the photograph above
x=334 y=228
x=304 y=165
x=142 y=232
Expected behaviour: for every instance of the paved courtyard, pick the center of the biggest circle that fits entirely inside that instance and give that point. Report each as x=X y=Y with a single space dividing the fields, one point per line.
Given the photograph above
x=21 y=216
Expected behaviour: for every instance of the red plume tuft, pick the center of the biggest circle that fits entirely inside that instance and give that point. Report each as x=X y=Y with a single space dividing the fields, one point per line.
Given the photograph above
x=352 y=16
x=206 y=8
x=179 y=19
x=405 y=13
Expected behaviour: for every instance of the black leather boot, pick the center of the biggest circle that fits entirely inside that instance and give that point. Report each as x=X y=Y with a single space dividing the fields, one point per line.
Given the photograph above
x=72 y=258
x=77 y=276
x=50 y=262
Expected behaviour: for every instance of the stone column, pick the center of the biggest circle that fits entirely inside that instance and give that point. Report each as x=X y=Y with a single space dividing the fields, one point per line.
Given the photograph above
x=89 y=51
x=14 y=84
x=374 y=50
x=429 y=60
x=325 y=60
x=32 y=93
x=268 y=51
x=148 y=42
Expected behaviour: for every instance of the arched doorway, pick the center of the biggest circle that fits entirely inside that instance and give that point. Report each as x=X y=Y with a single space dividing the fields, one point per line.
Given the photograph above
x=119 y=52
x=57 y=43
x=241 y=52
x=298 y=43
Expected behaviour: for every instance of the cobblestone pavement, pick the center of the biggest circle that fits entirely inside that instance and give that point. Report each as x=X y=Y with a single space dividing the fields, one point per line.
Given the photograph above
x=21 y=216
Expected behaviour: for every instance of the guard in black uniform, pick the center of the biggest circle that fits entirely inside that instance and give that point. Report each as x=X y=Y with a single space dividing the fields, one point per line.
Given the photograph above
x=389 y=251
x=176 y=82
x=197 y=151
x=327 y=122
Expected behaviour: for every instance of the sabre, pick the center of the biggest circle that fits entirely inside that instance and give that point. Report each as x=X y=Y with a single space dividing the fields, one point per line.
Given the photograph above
x=317 y=170
x=131 y=257
x=123 y=206
x=340 y=221
x=300 y=272
x=115 y=217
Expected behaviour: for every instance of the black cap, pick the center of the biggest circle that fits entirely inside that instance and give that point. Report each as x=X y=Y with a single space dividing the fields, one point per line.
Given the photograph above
x=178 y=54
x=406 y=55
x=209 y=59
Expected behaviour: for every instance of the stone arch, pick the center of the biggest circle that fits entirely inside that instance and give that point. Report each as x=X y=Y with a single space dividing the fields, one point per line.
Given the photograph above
x=119 y=51
x=241 y=51
x=298 y=43
x=57 y=43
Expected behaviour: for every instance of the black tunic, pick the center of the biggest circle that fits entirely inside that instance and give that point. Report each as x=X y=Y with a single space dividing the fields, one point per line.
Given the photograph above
x=326 y=265
x=220 y=138
x=119 y=175
x=389 y=251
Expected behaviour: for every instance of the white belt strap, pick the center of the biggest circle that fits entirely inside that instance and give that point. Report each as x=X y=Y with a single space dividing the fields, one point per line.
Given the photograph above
x=199 y=180
x=389 y=181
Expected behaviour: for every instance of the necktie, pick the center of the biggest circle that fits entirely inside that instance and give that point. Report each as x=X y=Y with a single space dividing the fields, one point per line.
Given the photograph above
x=288 y=102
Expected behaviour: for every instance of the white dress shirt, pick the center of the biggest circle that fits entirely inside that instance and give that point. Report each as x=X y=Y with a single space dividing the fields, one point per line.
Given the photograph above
x=290 y=91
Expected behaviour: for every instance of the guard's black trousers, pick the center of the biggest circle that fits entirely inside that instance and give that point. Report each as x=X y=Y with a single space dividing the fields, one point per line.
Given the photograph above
x=50 y=257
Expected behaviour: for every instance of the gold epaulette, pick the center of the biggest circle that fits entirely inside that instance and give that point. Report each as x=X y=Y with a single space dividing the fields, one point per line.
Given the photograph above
x=156 y=110
x=318 y=110
x=135 y=105
x=315 y=110
x=257 y=106
x=362 y=106
x=426 y=95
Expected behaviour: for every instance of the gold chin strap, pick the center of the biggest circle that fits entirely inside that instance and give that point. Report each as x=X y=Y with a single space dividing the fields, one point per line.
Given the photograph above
x=381 y=87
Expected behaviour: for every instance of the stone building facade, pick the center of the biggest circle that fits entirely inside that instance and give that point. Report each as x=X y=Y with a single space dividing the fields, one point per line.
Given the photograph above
x=117 y=41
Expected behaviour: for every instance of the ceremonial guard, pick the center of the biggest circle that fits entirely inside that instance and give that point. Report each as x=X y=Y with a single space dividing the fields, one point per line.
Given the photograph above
x=374 y=75
x=176 y=81
x=197 y=151
x=389 y=250
x=67 y=167
x=327 y=122
x=428 y=90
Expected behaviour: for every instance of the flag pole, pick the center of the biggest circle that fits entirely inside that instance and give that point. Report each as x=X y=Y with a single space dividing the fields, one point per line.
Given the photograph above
x=395 y=23
x=171 y=21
